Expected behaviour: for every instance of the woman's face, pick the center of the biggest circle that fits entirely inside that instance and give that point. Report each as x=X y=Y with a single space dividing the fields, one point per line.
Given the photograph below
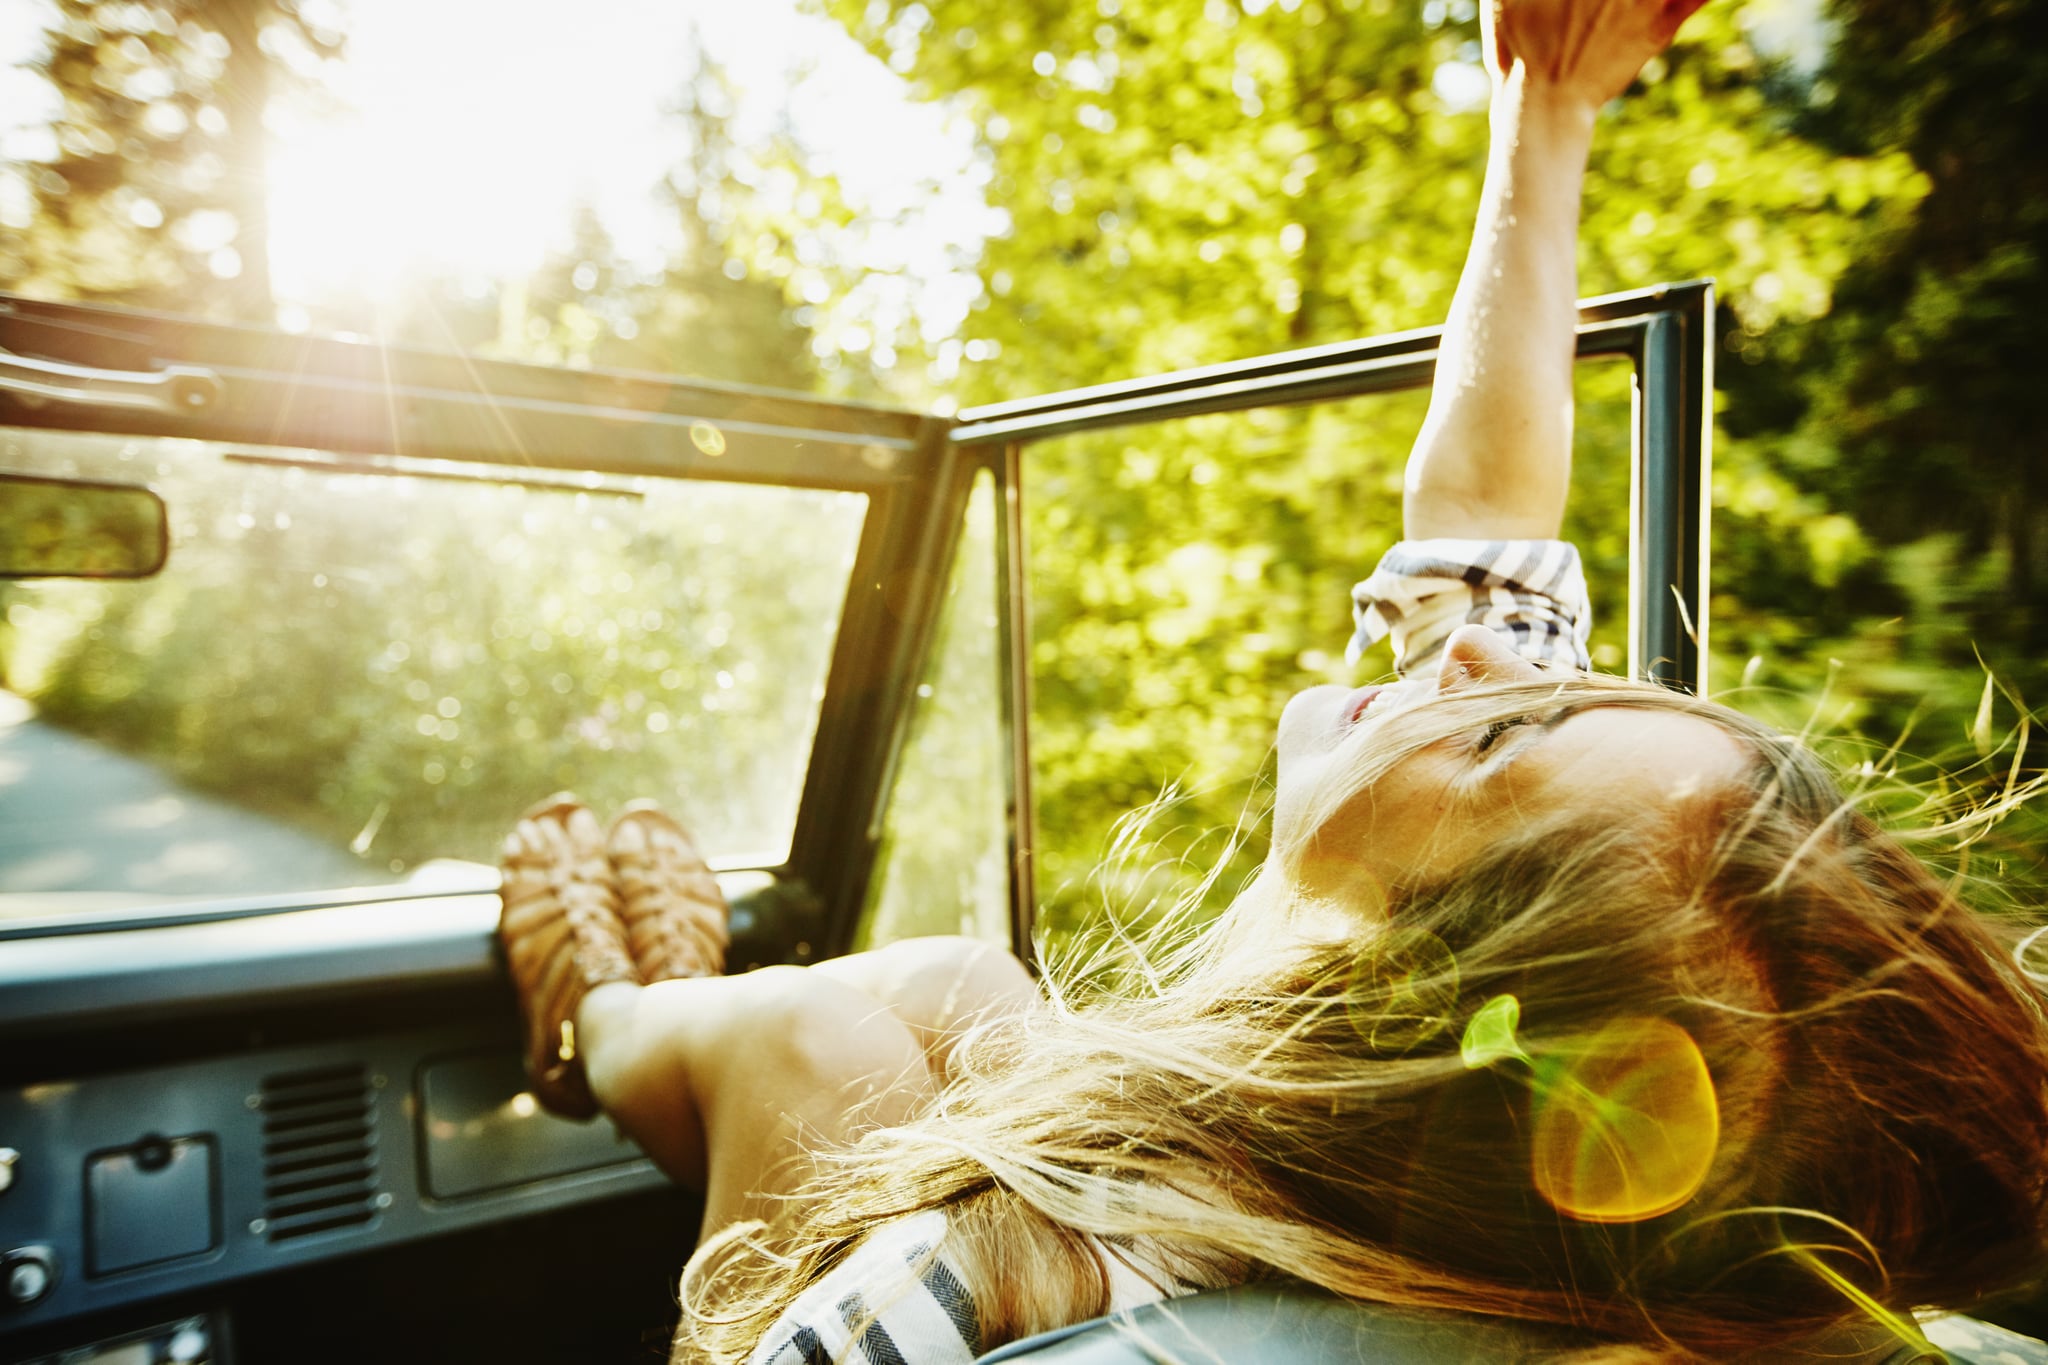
x=1440 y=804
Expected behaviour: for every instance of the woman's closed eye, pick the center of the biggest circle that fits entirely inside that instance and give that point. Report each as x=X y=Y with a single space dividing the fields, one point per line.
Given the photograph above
x=1492 y=749
x=1493 y=733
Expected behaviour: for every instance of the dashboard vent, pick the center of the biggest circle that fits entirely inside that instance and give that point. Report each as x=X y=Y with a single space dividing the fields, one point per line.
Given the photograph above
x=319 y=1151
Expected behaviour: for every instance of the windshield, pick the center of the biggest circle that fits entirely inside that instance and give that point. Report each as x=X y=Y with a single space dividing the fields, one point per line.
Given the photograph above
x=344 y=679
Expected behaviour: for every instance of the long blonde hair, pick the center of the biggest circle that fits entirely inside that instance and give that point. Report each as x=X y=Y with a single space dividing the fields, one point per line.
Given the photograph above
x=1262 y=1104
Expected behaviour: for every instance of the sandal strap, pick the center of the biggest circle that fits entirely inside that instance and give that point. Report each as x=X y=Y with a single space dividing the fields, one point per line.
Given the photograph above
x=675 y=914
x=562 y=935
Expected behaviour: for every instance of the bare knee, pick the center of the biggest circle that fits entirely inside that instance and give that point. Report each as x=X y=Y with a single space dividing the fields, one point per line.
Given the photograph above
x=954 y=983
x=809 y=1044
x=938 y=983
x=940 y=987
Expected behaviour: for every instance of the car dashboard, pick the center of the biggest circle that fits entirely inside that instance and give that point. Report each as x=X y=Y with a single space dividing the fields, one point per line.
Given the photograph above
x=195 y=1106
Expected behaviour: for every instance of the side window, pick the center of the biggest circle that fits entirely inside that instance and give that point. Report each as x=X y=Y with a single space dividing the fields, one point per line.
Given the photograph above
x=943 y=867
x=1188 y=576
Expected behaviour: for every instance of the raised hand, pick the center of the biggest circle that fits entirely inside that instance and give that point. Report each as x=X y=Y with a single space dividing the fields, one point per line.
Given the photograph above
x=1591 y=49
x=1493 y=459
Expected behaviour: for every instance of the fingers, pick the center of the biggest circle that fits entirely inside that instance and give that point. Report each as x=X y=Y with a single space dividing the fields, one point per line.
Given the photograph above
x=1591 y=49
x=1500 y=58
x=1477 y=654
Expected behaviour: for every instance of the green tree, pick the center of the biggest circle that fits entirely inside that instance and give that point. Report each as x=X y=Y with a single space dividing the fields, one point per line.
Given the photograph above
x=1908 y=411
x=1194 y=180
x=1887 y=520
x=1919 y=381
x=156 y=192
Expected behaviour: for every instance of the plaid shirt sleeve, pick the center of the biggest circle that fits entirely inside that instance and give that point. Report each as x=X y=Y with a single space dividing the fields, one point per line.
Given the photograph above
x=895 y=1300
x=1531 y=591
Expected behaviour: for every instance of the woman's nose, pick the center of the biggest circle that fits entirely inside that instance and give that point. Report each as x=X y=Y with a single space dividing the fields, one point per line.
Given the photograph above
x=1475 y=654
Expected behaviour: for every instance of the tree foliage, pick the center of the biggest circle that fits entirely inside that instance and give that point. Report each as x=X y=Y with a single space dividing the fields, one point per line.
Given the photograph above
x=156 y=193
x=718 y=306
x=1881 y=507
x=1190 y=181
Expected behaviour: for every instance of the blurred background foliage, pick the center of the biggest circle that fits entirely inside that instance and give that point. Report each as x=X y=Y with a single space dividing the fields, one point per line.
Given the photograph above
x=1186 y=181
x=1198 y=180
x=154 y=193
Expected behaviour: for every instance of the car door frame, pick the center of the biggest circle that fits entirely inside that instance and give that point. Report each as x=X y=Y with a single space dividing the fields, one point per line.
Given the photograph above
x=1664 y=331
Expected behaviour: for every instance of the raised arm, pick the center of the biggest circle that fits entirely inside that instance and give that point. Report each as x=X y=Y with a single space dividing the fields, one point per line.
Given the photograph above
x=1493 y=460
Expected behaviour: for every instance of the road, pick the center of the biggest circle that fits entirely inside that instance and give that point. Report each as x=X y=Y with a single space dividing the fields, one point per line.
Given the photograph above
x=85 y=828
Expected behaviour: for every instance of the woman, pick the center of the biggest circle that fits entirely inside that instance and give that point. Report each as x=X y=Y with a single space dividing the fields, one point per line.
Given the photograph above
x=1559 y=997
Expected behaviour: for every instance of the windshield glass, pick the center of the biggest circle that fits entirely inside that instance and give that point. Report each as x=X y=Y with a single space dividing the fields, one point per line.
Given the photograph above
x=344 y=679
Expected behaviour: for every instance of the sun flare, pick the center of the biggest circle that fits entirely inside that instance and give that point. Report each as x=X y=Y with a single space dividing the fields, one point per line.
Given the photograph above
x=458 y=140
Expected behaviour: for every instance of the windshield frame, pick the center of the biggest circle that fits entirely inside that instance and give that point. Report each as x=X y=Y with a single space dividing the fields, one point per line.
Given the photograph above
x=80 y=367
x=369 y=407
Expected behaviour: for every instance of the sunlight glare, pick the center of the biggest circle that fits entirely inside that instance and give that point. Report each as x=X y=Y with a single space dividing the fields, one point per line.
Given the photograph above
x=456 y=140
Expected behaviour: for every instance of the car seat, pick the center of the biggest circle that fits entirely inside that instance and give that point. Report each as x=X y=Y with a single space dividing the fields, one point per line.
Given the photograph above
x=1277 y=1324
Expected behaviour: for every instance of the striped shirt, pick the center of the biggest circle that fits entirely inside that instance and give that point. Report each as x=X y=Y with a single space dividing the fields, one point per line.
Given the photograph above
x=894 y=1300
x=1532 y=592
x=897 y=1300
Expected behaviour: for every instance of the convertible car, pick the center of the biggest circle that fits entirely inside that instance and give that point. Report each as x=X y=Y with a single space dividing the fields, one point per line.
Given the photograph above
x=295 y=626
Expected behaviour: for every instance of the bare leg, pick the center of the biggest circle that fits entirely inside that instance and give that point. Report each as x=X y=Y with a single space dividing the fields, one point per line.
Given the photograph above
x=729 y=1083
x=940 y=987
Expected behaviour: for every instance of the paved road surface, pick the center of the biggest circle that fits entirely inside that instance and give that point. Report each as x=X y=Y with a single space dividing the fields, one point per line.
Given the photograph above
x=82 y=827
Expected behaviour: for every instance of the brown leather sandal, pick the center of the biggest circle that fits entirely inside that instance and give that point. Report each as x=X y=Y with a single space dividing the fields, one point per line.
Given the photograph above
x=674 y=912
x=562 y=934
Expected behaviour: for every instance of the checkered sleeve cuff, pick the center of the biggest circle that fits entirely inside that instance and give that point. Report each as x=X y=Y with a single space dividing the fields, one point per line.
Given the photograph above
x=1533 y=592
